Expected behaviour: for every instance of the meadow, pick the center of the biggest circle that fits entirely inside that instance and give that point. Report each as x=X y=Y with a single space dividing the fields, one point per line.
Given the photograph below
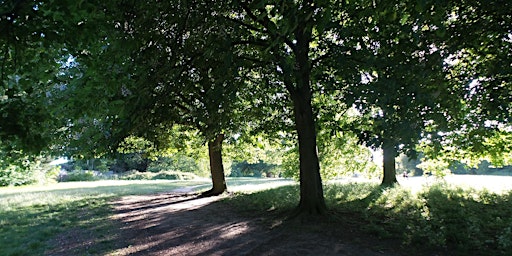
x=423 y=215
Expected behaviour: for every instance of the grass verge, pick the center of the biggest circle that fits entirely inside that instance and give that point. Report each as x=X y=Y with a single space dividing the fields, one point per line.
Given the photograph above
x=438 y=219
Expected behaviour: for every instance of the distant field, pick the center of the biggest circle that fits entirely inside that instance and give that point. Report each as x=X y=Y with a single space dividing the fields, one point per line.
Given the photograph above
x=492 y=183
x=55 y=193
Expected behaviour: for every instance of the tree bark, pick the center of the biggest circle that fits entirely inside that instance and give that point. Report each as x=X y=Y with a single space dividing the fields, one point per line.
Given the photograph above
x=389 y=154
x=216 y=167
x=311 y=190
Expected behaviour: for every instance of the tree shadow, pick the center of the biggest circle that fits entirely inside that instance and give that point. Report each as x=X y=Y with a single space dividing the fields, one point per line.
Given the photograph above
x=181 y=224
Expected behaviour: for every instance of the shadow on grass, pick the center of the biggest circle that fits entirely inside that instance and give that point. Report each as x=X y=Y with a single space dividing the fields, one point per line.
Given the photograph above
x=173 y=225
x=34 y=230
x=439 y=220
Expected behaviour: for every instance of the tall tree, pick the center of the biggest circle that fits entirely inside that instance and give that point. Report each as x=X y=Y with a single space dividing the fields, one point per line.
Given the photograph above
x=282 y=33
x=174 y=68
x=403 y=93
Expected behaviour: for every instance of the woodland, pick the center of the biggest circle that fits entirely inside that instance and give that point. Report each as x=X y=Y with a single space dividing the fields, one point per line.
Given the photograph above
x=308 y=85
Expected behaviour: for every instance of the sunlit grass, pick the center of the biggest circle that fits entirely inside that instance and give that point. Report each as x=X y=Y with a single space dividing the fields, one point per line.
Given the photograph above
x=248 y=185
x=434 y=216
x=69 y=191
x=31 y=216
x=439 y=217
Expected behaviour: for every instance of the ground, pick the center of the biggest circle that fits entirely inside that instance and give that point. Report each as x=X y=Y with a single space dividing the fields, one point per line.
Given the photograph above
x=180 y=223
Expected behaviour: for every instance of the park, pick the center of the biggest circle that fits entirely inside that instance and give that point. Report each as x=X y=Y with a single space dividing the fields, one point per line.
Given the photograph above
x=255 y=127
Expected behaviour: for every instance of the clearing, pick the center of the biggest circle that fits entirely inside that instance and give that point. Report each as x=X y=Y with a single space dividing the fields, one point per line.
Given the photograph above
x=180 y=223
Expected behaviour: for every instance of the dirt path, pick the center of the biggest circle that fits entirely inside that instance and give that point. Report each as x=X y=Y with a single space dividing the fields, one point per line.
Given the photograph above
x=181 y=224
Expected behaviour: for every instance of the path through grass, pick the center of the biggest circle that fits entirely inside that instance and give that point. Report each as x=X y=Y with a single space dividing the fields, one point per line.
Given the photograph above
x=31 y=216
x=437 y=217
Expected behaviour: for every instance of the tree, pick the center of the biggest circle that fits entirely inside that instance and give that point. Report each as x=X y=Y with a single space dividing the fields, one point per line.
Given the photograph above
x=281 y=34
x=174 y=69
x=480 y=42
x=404 y=93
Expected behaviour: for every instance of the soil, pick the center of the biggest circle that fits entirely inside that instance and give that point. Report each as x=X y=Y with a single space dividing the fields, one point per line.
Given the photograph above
x=180 y=223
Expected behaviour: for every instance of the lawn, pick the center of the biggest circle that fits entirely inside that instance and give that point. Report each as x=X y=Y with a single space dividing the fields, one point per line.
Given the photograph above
x=438 y=216
x=31 y=216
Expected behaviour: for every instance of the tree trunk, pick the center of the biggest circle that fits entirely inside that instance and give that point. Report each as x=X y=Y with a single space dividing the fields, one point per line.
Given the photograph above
x=389 y=154
x=297 y=79
x=216 y=167
x=311 y=191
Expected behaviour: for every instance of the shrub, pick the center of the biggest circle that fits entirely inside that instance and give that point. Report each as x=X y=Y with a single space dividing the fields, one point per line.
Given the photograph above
x=136 y=175
x=29 y=173
x=161 y=175
x=80 y=176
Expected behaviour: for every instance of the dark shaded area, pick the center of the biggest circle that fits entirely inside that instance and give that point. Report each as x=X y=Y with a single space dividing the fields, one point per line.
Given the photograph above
x=180 y=224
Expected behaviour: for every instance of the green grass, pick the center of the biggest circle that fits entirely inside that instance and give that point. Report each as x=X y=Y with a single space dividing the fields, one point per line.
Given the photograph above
x=439 y=218
x=33 y=216
x=30 y=217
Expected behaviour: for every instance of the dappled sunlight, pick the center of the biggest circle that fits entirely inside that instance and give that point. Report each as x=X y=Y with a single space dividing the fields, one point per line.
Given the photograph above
x=496 y=184
x=179 y=224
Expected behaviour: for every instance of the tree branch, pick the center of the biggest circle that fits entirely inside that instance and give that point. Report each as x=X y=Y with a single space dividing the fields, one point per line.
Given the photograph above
x=243 y=24
x=265 y=23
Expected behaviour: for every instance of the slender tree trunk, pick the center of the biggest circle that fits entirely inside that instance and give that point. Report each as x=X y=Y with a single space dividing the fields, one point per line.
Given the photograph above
x=389 y=154
x=216 y=167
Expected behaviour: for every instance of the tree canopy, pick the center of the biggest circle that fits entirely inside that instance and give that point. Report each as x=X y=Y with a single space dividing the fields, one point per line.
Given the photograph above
x=82 y=76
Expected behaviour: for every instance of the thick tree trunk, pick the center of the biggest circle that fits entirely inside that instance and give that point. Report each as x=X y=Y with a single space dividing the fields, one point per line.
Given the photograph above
x=216 y=167
x=311 y=191
x=298 y=82
x=389 y=154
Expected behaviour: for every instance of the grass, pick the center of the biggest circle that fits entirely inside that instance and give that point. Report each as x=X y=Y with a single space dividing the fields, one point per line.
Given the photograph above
x=30 y=217
x=438 y=218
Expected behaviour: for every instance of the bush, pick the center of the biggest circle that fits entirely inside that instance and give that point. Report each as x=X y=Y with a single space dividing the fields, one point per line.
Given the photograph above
x=80 y=176
x=136 y=175
x=162 y=175
x=29 y=173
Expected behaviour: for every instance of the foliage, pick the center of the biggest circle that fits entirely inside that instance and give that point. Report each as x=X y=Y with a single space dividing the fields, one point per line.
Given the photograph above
x=160 y=175
x=340 y=156
x=17 y=169
x=178 y=162
x=259 y=169
x=80 y=175
x=434 y=167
